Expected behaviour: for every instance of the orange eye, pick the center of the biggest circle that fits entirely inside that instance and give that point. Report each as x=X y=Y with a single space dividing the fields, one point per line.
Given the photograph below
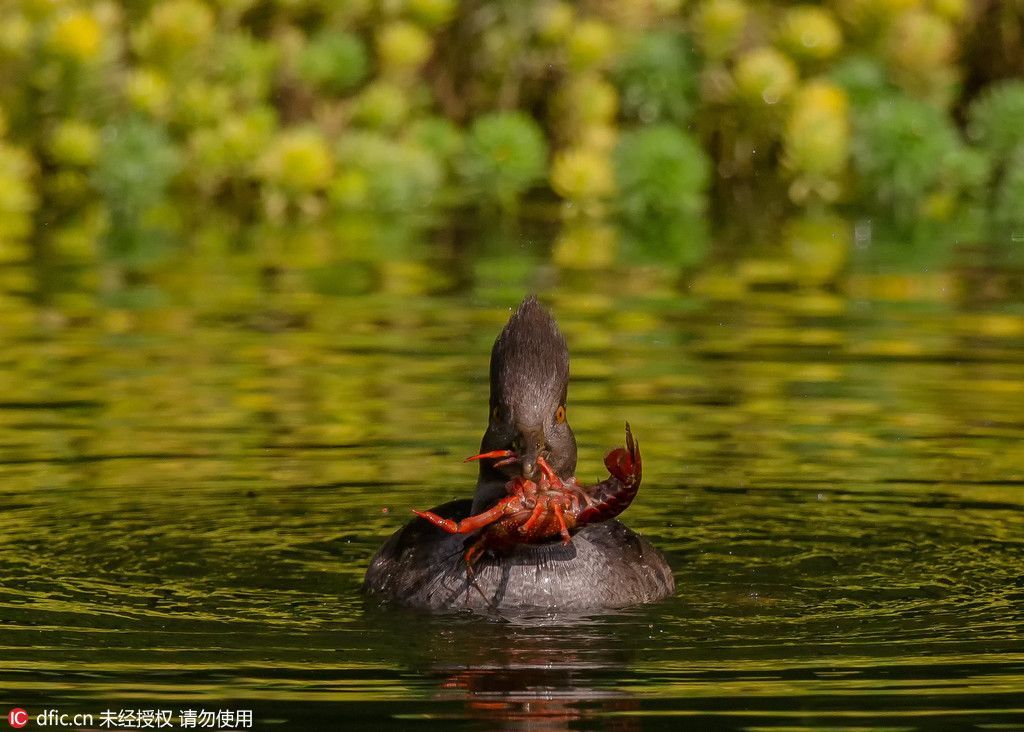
x=560 y=414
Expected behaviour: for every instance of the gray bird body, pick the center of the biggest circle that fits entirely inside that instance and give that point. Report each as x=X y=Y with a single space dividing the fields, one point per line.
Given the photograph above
x=604 y=566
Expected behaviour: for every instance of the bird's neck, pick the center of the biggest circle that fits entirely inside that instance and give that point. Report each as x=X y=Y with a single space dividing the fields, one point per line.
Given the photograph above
x=490 y=488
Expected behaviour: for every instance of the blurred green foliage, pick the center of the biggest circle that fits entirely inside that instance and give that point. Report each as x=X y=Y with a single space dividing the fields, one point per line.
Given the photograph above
x=996 y=124
x=662 y=172
x=333 y=62
x=137 y=161
x=910 y=156
x=118 y=119
x=375 y=173
x=505 y=154
x=657 y=77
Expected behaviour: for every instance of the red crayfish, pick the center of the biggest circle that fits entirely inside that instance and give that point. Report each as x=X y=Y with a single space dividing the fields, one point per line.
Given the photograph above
x=535 y=512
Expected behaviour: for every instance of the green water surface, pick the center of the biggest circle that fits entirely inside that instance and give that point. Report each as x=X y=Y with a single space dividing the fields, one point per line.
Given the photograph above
x=194 y=477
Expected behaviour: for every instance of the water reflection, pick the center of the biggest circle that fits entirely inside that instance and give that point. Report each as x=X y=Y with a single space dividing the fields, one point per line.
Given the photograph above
x=550 y=671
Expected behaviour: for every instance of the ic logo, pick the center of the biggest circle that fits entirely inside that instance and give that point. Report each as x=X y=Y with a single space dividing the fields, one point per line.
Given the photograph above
x=17 y=717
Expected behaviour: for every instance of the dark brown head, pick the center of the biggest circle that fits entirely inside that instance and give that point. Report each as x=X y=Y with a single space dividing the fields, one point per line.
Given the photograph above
x=529 y=383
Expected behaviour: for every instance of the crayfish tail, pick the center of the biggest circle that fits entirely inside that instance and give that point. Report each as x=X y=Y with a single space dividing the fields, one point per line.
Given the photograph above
x=613 y=495
x=624 y=462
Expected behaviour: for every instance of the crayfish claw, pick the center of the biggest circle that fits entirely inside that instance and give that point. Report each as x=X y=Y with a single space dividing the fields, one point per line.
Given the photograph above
x=507 y=454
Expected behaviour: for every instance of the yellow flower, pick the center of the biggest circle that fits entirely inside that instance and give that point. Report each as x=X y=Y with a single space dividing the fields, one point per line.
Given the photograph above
x=586 y=100
x=719 y=25
x=921 y=41
x=582 y=175
x=921 y=48
x=600 y=137
x=764 y=75
x=147 y=90
x=77 y=35
x=74 y=142
x=298 y=161
x=403 y=46
x=173 y=27
x=817 y=140
x=590 y=44
x=810 y=32
x=381 y=104
x=596 y=100
x=554 y=21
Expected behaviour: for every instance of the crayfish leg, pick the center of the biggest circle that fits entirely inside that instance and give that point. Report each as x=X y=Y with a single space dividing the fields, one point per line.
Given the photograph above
x=566 y=536
x=470 y=556
x=538 y=511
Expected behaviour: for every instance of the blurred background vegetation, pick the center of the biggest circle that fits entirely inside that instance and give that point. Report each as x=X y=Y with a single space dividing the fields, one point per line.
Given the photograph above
x=736 y=140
